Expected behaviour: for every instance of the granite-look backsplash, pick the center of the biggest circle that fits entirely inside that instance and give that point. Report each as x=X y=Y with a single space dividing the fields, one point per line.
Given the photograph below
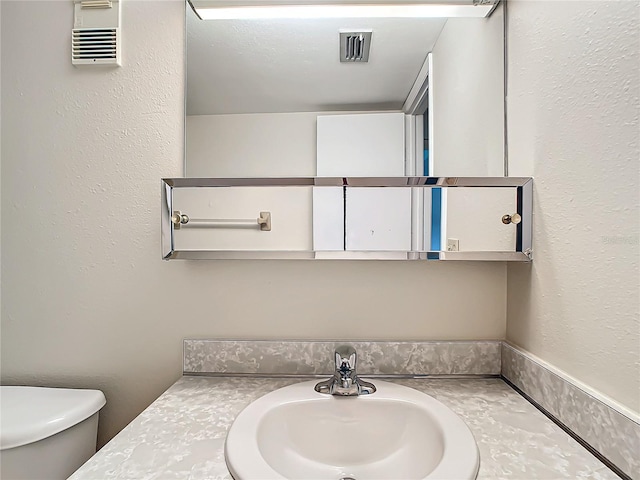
x=614 y=435
x=316 y=358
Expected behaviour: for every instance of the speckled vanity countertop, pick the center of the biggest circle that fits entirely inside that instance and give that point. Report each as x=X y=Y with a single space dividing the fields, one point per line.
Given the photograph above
x=181 y=435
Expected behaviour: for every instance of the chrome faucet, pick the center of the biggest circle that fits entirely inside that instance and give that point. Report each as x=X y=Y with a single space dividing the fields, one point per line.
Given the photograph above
x=344 y=380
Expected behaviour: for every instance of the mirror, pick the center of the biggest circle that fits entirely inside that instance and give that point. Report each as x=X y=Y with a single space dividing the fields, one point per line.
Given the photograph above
x=355 y=218
x=256 y=89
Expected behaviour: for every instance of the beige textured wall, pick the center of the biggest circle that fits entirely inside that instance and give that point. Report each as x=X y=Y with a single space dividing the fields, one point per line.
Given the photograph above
x=574 y=71
x=87 y=300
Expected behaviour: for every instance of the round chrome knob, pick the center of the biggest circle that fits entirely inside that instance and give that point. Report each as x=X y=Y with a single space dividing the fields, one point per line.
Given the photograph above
x=179 y=218
x=515 y=219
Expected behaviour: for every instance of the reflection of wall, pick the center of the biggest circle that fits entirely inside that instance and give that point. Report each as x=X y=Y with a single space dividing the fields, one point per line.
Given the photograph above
x=265 y=144
x=573 y=125
x=86 y=298
x=474 y=217
x=467 y=82
x=256 y=144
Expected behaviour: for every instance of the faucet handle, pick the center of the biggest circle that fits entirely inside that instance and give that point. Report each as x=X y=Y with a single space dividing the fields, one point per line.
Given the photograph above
x=346 y=358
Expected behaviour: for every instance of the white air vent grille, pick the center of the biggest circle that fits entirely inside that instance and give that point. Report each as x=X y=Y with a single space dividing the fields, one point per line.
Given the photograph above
x=354 y=46
x=95 y=46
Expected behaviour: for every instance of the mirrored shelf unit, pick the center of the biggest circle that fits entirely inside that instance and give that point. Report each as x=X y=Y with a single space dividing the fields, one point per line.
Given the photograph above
x=333 y=218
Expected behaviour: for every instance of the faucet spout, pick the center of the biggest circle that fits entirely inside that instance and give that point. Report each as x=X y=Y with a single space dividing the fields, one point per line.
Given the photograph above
x=345 y=382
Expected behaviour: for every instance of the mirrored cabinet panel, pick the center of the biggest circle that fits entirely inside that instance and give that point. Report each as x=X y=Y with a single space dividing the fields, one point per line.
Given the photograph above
x=394 y=218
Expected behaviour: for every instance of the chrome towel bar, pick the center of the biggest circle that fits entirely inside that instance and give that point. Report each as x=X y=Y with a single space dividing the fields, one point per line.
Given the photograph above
x=180 y=219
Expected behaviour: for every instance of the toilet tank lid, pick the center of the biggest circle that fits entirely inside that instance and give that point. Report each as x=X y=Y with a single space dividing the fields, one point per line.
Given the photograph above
x=29 y=414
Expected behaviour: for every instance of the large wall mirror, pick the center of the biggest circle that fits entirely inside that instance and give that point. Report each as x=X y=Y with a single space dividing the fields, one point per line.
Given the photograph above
x=269 y=97
x=280 y=95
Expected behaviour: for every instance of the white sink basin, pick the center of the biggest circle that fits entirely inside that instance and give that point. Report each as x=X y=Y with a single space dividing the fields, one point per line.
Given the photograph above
x=394 y=433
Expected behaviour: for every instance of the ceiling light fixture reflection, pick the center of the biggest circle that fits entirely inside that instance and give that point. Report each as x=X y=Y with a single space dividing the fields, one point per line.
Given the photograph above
x=408 y=10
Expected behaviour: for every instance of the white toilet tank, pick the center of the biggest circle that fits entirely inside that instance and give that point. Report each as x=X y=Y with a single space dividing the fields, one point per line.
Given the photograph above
x=46 y=433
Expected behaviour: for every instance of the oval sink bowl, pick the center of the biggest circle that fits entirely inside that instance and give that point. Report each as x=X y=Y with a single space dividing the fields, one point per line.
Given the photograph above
x=395 y=433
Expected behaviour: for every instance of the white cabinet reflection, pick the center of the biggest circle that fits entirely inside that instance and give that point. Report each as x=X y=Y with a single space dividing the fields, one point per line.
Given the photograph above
x=371 y=145
x=378 y=219
x=361 y=219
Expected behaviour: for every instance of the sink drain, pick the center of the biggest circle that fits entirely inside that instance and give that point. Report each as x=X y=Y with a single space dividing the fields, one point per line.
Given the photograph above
x=347 y=478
